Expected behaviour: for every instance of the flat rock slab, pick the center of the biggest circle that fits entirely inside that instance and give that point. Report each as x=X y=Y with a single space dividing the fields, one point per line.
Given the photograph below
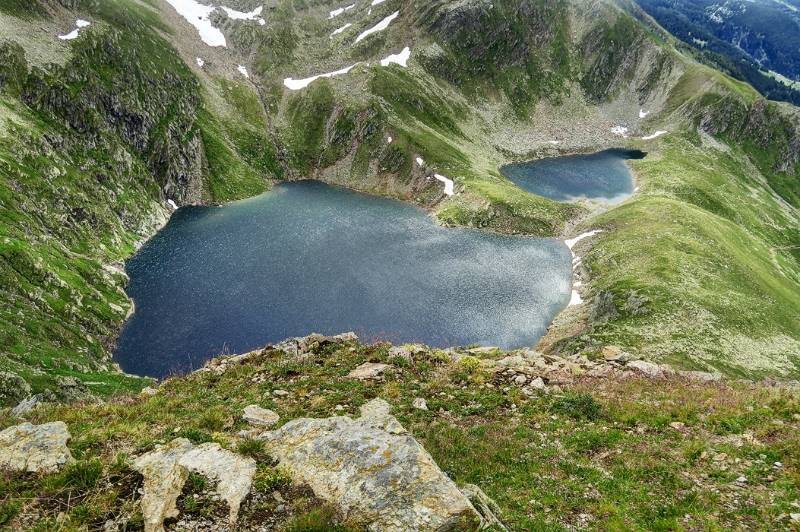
x=166 y=469
x=260 y=417
x=372 y=470
x=368 y=370
x=35 y=448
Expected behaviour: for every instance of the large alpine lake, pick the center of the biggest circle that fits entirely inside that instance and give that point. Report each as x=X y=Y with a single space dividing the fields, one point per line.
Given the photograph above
x=308 y=257
x=603 y=176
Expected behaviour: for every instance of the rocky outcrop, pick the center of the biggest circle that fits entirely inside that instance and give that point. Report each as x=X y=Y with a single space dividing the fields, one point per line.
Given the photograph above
x=299 y=348
x=537 y=372
x=13 y=388
x=372 y=470
x=166 y=469
x=35 y=448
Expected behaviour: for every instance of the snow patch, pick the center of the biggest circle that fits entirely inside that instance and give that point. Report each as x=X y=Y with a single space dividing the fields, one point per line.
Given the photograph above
x=172 y=204
x=337 y=31
x=380 y=26
x=400 y=59
x=376 y=2
x=239 y=15
x=620 y=130
x=654 y=135
x=643 y=113
x=554 y=142
x=389 y=140
x=80 y=23
x=448 y=183
x=337 y=12
x=575 y=299
x=243 y=71
x=197 y=15
x=297 y=84
x=200 y=61
x=420 y=162
x=572 y=241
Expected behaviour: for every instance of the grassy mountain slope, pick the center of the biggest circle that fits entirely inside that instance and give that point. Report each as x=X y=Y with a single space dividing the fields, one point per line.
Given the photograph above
x=605 y=453
x=91 y=150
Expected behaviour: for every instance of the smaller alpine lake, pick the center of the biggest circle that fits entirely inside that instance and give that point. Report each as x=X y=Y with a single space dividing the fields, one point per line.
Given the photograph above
x=309 y=257
x=601 y=176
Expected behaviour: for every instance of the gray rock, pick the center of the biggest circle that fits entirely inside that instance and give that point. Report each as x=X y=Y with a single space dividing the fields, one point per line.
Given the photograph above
x=538 y=384
x=35 y=448
x=148 y=391
x=261 y=417
x=402 y=353
x=486 y=350
x=72 y=389
x=368 y=370
x=420 y=404
x=520 y=380
x=13 y=388
x=27 y=405
x=372 y=470
x=647 y=368
x=166 y=469
x=636 y=304
x=614 y=353
x=701 y=376
x=604 y=309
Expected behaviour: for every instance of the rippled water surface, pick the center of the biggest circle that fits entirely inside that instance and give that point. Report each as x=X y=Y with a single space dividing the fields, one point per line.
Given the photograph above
x=307 y=257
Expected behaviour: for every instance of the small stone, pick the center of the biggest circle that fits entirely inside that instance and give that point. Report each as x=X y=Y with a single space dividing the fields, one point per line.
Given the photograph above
x=795 y=517
x=148 y=391
x=742 y=479
x=614 y=353
x=677 y=425
x=280 y=393
x=520 y=380
x=538 y=384
x=35 y=448
x=368 y=370
x=420 y=404
x=261 y=417
x=278 y=497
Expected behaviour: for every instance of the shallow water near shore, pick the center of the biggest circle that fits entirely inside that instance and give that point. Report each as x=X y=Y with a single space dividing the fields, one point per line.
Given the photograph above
x=601 y=176
x=308 y=257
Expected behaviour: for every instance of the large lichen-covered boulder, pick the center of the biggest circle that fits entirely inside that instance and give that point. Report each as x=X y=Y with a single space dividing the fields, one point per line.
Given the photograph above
x=372 y=470
x=166 y=469
x=34 y=448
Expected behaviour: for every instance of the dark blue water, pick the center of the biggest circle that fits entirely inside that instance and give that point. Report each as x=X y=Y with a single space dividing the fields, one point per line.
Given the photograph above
x=600 y=176
x=307 y=257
